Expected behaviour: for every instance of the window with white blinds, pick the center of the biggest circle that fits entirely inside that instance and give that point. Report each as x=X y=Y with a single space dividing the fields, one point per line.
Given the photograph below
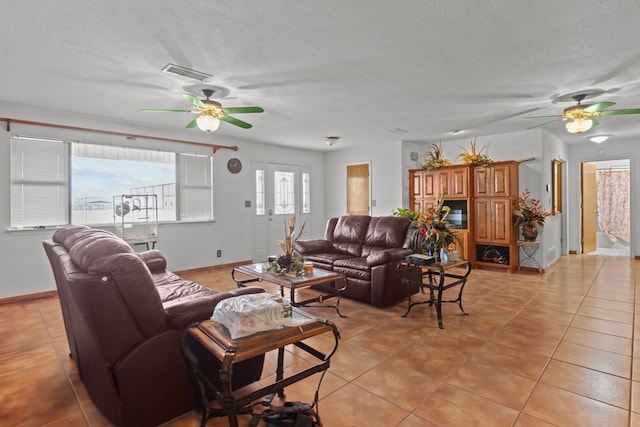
x=56 y=183
x=39 y=183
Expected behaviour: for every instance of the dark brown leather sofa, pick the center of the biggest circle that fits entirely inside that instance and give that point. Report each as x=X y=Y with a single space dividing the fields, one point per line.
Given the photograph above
x=124 y=314
x=367 y=251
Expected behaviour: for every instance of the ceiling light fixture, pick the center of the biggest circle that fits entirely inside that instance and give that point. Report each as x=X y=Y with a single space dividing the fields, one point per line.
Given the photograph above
x=599 y=139
x=207 y=122
x=330 y=140
x=455 y=132
x=579 y=125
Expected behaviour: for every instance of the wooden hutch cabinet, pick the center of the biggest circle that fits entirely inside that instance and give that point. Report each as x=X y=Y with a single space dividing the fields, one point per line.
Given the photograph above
x=482 y=200
x=495 y=195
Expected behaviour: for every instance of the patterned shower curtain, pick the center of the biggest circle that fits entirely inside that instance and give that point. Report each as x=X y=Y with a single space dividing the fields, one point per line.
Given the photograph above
x=613 y=203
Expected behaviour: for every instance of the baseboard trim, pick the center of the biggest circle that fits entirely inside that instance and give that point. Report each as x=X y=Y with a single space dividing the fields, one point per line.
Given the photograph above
x=29 y=297
x=213 y=267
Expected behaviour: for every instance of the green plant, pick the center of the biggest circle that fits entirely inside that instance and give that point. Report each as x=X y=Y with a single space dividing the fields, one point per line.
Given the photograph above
x=474 y=157
x=529 y=211
x=434 y=158
x=406 y=213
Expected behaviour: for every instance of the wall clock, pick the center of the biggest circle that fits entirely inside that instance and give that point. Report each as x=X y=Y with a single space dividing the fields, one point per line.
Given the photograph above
x=234 y=165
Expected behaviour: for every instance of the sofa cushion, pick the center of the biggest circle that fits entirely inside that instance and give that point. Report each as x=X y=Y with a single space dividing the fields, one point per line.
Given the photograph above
x=353 y=267
x=385 y=232
x=350 y=233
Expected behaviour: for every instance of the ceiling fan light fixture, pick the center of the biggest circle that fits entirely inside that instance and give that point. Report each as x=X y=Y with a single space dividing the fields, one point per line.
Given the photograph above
x=207 y=122
x=579 y=125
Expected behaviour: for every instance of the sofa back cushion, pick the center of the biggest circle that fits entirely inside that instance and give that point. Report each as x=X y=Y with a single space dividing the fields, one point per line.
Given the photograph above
x=348 y=233
x=88 y=247
x=385 y=232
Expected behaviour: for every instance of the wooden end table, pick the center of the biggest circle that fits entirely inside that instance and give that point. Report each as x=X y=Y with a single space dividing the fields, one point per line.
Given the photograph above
x=441 y=276
x=260 y=271
x=216 y=340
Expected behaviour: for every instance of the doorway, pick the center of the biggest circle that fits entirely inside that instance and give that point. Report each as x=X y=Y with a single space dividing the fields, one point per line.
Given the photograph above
x=282 y=192
x=358 y=189
x=606 y=208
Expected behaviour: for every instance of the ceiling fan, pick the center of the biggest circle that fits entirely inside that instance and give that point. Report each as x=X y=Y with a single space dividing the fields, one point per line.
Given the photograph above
x=580 y=118
x=210 y=112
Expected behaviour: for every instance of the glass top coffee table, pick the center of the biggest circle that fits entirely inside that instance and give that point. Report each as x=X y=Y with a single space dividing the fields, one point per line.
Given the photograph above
x=260 y=271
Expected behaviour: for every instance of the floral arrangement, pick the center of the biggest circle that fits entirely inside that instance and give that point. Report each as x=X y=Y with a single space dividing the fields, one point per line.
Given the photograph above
x=434 y=158
x=432 y=233
x=529 y=211
x=287 y=262
x=474 y=157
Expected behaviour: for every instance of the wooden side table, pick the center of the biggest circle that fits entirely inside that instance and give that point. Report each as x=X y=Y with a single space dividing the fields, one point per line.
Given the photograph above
x=216 y=340
x=440 y=277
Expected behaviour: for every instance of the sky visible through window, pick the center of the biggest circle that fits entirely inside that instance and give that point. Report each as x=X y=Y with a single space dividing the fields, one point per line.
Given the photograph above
x=94 y=183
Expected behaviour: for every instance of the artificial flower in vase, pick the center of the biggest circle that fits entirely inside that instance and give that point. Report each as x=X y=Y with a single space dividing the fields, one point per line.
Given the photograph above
x=432 y=235
x=529 y=216
x=287 y=262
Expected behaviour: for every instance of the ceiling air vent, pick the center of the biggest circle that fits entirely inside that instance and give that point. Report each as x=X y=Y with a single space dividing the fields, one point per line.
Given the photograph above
x=177 y=70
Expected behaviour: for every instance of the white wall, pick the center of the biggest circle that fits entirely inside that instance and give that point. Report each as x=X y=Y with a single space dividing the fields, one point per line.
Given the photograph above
x=23 y=262
x=386 y=176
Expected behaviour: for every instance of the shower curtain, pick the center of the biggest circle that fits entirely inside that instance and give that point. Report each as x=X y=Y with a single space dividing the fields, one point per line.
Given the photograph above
x=613 y=203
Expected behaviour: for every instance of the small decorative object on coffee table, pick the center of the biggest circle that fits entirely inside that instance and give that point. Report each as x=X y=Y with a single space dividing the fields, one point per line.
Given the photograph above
x=287 y=262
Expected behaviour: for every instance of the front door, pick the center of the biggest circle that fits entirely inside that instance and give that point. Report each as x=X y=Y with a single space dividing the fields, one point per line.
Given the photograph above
x=279 y=197
x=589 y=206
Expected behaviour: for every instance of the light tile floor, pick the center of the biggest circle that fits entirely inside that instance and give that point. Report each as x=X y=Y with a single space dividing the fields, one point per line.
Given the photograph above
x=553 y=349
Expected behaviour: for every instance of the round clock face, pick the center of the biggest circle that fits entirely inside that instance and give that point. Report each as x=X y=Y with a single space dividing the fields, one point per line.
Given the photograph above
x=234 y=165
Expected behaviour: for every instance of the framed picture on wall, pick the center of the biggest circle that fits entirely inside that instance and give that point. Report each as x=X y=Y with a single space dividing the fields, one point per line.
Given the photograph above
x=556 y=190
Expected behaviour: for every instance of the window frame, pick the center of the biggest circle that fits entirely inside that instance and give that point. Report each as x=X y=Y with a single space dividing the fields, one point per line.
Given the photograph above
x=206 y=182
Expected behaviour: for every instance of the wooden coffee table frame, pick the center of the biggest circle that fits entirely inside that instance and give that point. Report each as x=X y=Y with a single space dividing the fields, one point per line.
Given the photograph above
x=259 y=272
x=216 y=340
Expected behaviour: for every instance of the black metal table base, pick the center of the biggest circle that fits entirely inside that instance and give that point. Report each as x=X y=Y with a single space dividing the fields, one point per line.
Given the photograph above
x=439 y=280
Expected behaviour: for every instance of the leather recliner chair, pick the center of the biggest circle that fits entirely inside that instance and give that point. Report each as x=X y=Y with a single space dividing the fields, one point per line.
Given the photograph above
x=124 y=316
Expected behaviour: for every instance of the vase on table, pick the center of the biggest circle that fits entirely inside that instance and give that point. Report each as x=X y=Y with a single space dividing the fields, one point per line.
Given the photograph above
x=529 y=232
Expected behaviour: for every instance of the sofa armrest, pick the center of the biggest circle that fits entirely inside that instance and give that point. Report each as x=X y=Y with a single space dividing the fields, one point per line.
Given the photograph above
x=387 y=255
x=154 y=260
x=307 y=247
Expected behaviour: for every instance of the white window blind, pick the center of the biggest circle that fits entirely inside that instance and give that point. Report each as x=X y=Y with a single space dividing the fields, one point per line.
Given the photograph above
x=39 y=182
x=195 y=189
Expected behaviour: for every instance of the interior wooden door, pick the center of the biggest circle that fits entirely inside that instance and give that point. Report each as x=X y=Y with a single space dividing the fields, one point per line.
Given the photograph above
x=589 y=206
x=358 y=189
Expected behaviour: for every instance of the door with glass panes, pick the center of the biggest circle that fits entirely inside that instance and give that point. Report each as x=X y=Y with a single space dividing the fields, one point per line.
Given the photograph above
x=282 y=192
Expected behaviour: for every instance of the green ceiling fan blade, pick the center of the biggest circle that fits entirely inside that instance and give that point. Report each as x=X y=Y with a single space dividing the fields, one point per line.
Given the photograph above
x=620 y=112
x=193 y=123
x=236 y=122
x=543 y=124
x=598 y=107
x=194 y=100
x=238 y=110
x=154 y=110
x=594 y=122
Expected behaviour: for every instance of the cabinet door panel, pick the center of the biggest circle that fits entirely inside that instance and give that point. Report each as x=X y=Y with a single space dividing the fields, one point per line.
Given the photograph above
x=416 y=184
x=501 y=221
x=481 y=187
x=444 y=184
x=458 y=183
x=461 y=243
x=500 y=176
x=430 y=188
x=482 y=220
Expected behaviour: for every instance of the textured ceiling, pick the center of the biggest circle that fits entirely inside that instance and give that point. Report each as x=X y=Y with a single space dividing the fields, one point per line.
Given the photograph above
x=356 y=69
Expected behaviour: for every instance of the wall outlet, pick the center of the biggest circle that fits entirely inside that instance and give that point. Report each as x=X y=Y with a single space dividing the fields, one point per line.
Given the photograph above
x=219 y=253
